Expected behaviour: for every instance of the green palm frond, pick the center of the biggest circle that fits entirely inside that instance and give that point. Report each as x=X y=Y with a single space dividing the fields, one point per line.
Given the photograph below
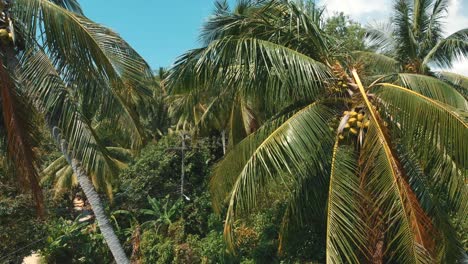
x=295 y=24
x=459 y=82
x=409 y=230
x=439 y=139
x=452 y=48
x=259 y=68
x=60 y=173
x=443 y=125
x=346 y=234
x=83 y=52
x=71 y=5
x=58 y=103
x=431 y=197
x=262 y=156
x=433 y=88
x=404 y=34
x=376 y=63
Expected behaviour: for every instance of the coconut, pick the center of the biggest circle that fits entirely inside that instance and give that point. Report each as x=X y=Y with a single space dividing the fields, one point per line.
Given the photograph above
x=3 y=34
x=352 y=130
x=360 y=117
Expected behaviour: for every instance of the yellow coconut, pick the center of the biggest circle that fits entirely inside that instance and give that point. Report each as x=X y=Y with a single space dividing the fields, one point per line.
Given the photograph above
x=360 y=117
x=3 y=33
x=353 y=130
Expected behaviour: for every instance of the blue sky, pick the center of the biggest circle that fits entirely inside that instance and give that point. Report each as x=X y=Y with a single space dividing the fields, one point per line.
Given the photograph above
x=161 y=30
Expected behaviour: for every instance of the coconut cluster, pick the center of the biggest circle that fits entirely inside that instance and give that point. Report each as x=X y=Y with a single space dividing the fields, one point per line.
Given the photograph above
x=341 y=82
x=356 y=121
x=5 y=36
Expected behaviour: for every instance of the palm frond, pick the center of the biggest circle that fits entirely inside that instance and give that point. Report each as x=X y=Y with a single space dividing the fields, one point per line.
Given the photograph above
x=83 y=52
x=60 y=173
x=375 y=63
x=439 y=139
x=408 y=230
x=442 y=124
x=71 y=5
x=433 y=88
x=379 y=38
x=20 y=125
x=56 y=101
x=258 y=159
x=449 y=248
x=258 y=68
x=448 y=50
x=346 y=234
x=404 y=35
x=458 y=82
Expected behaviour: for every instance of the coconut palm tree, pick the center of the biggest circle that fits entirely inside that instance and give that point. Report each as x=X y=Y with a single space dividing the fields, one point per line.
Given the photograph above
x=415 y=37
x=379 y=163
x=68 y=68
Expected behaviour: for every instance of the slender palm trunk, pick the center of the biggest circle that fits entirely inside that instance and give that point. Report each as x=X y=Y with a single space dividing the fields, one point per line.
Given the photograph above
x=223 y=139
x=93 y=198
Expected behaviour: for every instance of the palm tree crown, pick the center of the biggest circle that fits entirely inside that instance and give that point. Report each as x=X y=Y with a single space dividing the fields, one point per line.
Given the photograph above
x=415 y=36
x=377 y=161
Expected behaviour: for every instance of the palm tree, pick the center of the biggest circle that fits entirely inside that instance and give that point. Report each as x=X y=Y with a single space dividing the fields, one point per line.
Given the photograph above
x=68 y=68
x=415 y=39
x=379 y=163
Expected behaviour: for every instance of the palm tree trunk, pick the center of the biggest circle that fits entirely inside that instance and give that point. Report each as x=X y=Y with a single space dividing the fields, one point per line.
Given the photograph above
x=223 y=139
x=93 y=198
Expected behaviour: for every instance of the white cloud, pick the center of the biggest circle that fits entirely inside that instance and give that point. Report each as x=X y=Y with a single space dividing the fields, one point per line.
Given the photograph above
x=456 y=19
x=357 y=9
x=366 y=11
x=460 y=67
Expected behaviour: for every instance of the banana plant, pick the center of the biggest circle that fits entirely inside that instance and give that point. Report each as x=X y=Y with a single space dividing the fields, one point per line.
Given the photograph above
x=161 y=213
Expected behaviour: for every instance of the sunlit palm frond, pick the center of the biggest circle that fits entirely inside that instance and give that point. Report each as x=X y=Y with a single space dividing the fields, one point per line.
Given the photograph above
x=346 y=237
x=258 y=159
x=57 y=102
x=458 y=82
x=261 y=69
x=60 y=173
x=376 y=63
x=448 y=50
x=83 y=51
x=433 y=88
x=439 y=139
x=395 y=208
x=71 y=5
x=443 y=125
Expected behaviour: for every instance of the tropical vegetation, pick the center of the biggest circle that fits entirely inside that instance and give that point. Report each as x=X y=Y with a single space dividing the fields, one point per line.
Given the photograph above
x=289 y=136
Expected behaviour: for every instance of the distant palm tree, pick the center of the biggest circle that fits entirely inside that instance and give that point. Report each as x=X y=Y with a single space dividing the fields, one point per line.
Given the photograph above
x=415 y=36
x=68 y=68
x=379 y=163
